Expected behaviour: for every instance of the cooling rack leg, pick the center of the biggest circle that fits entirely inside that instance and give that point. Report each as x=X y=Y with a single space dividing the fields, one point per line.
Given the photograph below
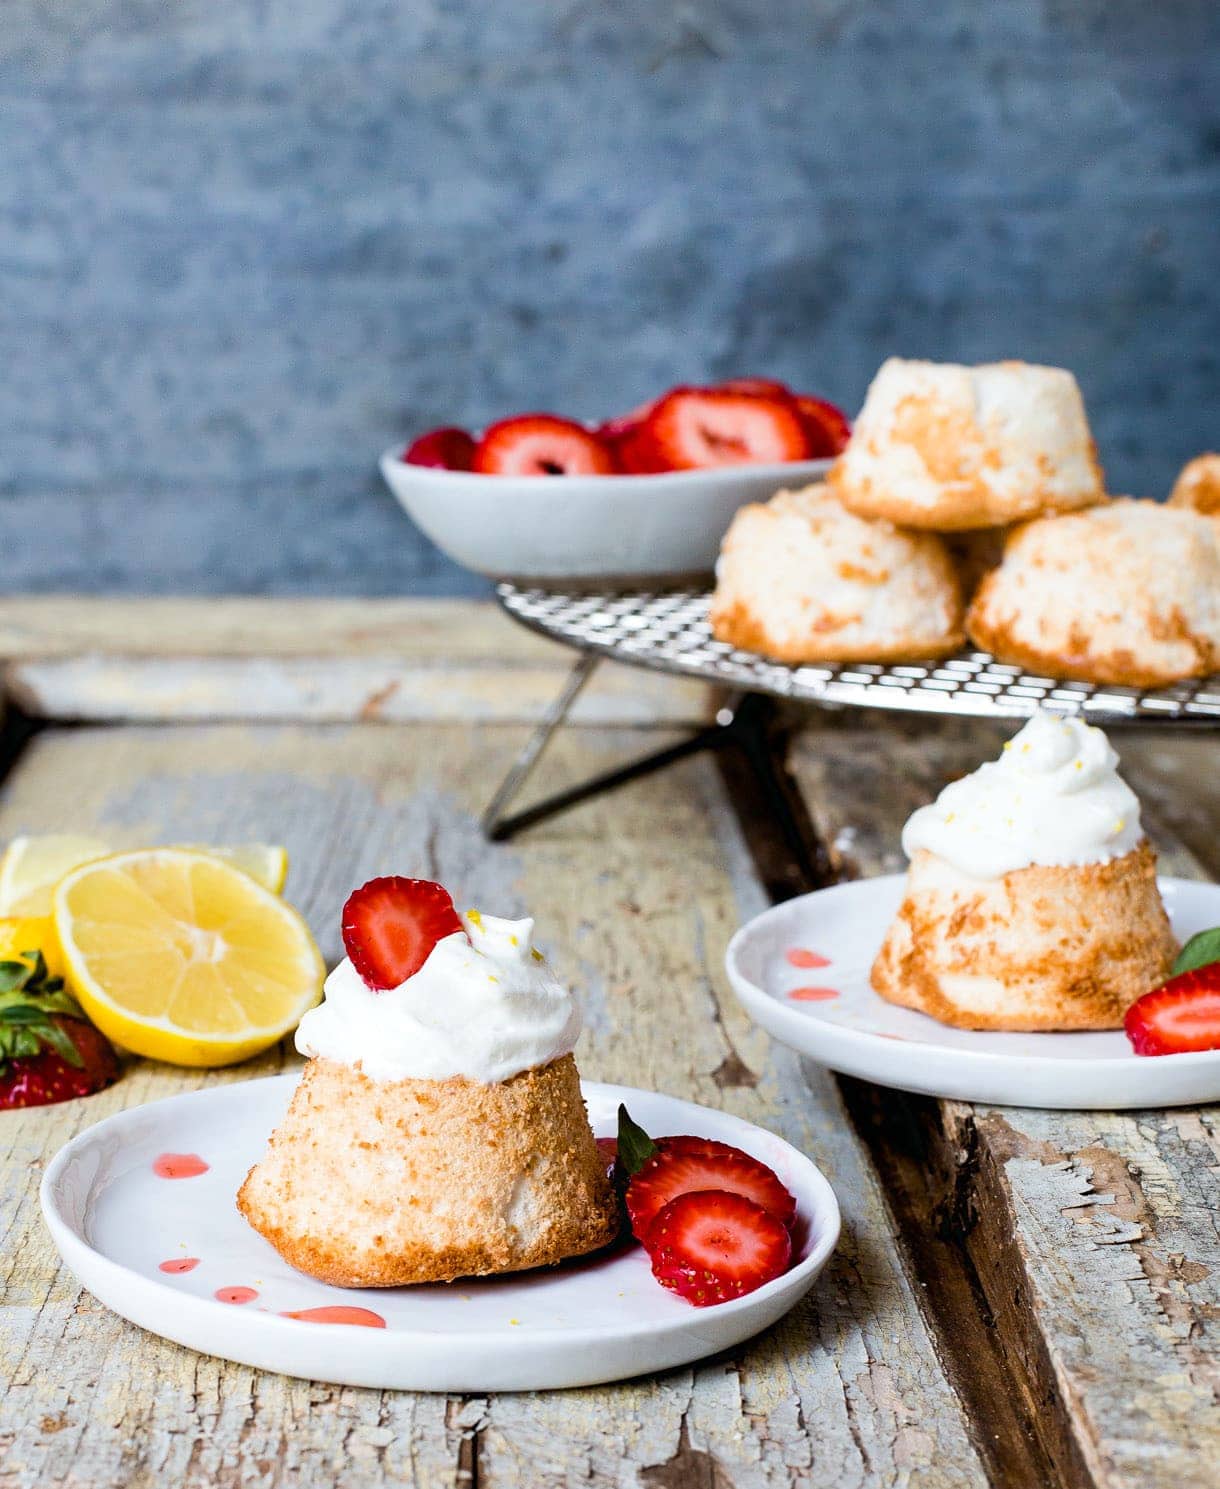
x=743 y=721
x=496 y=826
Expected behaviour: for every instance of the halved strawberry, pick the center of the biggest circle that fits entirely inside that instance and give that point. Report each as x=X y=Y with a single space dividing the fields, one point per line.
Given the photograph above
x=693 y=428
x=768 y=387
x=683 y=1164
x=542 y=445
x=390 y=926
x=49 y=1051
x=443 y=449
x=608 y=1148
x=1182 y=1014
x=827 y=426
x=710 y=1245
x=616 y=427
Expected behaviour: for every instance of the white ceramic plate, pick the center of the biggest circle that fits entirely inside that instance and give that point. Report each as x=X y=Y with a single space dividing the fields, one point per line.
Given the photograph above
x=827 y=1010
x=115 y=1222
x=587 y=528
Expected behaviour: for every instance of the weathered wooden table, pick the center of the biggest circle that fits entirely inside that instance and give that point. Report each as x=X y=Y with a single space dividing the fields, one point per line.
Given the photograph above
x=1019 y=1298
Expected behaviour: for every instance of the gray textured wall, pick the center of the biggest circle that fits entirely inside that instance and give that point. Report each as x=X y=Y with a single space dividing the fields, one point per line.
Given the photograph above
x=244 y=244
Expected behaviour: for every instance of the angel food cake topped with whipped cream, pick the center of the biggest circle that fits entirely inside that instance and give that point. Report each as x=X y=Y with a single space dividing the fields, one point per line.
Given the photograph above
x=1054 y=797
x=484 y=1005
x=439 y=1129
x=1031 y=902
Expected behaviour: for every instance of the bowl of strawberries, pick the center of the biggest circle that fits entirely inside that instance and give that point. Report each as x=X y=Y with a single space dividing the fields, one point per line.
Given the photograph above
x=643 y=496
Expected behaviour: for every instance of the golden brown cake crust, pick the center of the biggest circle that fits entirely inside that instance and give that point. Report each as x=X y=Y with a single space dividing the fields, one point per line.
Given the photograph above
x=737 y=625
x=1081 y=662
x=1198 y=485
x=953 y=448
x=1124 y=593
x=1043 y=948
x=802 y=580
x=381 y=1183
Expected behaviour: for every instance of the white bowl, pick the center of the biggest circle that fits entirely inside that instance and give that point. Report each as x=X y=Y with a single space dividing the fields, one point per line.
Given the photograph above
x=560 y=528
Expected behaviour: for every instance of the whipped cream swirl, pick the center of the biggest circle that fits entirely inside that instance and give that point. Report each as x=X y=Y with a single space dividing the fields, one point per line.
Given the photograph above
x=484 y=1005
x=1053 y=797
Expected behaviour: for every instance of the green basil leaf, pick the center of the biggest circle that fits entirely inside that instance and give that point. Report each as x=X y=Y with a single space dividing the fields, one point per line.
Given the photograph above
x=23 y=1013
x=62 y=1043
x=14 y=975
x=635 y=1147
x=1199 y=951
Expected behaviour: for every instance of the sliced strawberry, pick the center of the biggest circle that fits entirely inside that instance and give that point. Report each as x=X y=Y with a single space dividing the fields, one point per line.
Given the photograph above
x=49 y=1051
x=443 y=449
x=613 y=429
x=766 y=386
x=710 y=1245
x=828 y=427
x=542 y=445
x=608 y=1148
x=1182 y=1014
x=694 y=428
x=683 y=1164
x=390 y=926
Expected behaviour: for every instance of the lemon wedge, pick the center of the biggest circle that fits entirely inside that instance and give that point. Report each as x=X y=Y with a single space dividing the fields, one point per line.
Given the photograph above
x=177 y=955
x=31 y=867
x=262 y=861
x=22 y=934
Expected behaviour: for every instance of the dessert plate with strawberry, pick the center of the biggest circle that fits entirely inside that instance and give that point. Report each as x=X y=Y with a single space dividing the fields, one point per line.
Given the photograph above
x=644 y=495
x=736 y=1226
x=802 y=971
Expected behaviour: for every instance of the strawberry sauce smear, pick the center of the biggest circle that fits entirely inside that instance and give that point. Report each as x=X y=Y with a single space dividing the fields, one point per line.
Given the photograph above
x=235 y=1294
x=801 y=956
x=338 y=1313
x=813 y=994
x=179 y=1166
x=177 y=1264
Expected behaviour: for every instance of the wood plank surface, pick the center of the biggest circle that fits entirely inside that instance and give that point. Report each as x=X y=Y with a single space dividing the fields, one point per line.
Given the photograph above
x=1094 y=1235
x=149 y=660
x=635 y=897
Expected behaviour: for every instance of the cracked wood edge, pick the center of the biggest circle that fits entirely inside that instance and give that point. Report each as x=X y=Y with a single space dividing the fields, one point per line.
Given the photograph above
x=157 y=660
x=1093 y=1235
x=636 y=896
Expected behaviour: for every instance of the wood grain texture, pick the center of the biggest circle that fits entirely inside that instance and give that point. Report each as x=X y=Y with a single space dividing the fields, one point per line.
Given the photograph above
x=1094 y=1234
x=635 y=897
x=323 y=661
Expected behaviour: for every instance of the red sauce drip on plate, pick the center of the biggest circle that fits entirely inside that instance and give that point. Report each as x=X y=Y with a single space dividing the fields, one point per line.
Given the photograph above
x=800 y=956
x=235 y=1294
x=339 y=1313
x=813 y=994
x=179 y=1166
x=179 y=1264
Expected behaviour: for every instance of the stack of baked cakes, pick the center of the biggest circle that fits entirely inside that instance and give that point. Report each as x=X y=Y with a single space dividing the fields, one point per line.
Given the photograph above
x=969 y=503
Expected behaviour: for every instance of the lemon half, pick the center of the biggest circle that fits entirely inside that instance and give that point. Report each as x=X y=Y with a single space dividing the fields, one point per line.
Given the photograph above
x=177 y=955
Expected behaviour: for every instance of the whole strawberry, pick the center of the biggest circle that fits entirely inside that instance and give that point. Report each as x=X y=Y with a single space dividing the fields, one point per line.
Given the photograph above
x=49 y=1051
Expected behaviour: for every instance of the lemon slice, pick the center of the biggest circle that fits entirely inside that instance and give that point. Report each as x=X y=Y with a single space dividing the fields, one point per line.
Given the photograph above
x=179 y=956
x=31 y=868
x=21 y=935
x=262 y=861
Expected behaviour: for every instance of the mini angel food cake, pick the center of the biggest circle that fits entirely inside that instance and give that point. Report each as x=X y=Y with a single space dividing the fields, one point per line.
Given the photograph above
x=1031 y=900
x=1127 y=593
x=438 y=1130
x=1198 y=485
x=947 y=447
x=802 y=580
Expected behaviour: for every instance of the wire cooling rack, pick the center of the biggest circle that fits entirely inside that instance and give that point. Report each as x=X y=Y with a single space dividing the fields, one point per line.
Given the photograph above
x=667 y=630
